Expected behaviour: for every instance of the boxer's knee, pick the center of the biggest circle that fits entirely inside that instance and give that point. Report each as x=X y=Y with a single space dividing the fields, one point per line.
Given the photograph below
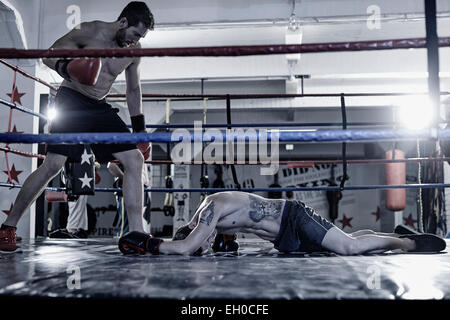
x=351 y=247
x=133 y=161
x=53 y=163
x=341 y=243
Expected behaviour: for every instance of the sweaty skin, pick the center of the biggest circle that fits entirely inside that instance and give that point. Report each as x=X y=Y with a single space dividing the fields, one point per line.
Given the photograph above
x=228 y=213
x=233 y=211
x=97 y=35
x=261 y=217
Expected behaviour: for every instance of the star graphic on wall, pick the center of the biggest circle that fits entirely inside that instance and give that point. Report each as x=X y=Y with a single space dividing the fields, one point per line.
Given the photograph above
x=377 y=214
x=346 y=222
x=86 y=157
x=7 y=212
x=409 y=221
x=14 y=174
x=85 y=181
x=15 y=96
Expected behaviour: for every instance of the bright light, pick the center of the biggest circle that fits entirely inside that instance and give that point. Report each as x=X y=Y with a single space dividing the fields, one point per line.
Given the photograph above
x=51 y=113
x=415 y=112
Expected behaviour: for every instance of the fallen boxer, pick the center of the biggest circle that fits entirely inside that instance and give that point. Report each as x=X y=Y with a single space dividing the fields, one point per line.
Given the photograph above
x=289 y=224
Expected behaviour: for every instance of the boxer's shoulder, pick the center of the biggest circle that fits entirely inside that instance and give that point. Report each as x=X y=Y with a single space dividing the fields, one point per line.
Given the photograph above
x=92 y=29
x=94 y=25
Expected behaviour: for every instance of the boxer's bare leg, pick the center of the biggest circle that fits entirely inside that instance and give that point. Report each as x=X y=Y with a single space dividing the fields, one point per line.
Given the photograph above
x=366 y=232
x=338 y=241
x=34 y=185
x=133 y=188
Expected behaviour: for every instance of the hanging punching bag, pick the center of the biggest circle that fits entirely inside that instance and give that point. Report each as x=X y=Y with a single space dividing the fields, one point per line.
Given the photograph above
x=395 y=175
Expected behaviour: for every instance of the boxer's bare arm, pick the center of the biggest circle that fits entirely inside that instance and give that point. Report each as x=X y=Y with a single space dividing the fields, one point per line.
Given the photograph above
x=208 y=218
x=77 y=38
x=134 y=97
x=194 y=220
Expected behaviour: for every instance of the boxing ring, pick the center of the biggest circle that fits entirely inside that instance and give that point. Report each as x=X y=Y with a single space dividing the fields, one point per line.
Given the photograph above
x=48 y=268
x=257 y=272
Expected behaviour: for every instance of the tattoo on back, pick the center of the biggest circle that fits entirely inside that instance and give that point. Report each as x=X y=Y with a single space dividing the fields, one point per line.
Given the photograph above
x=260 y=209
x=208 y=214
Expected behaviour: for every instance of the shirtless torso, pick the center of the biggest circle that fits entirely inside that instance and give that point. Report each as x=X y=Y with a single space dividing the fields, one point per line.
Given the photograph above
x=249 y=213
x=103 y=35
x=229 y=212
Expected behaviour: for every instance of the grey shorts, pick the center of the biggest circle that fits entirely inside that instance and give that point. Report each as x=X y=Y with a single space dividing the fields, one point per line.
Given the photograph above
x=301 y=229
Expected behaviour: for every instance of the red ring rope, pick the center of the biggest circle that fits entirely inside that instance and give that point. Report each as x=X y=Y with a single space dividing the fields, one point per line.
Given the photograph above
x=9 y=125
x=390 y=44
x=15 y=68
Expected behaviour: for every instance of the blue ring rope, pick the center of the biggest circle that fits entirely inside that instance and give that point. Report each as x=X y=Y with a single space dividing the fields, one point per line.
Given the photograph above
x=350 y=135
x=24 y=110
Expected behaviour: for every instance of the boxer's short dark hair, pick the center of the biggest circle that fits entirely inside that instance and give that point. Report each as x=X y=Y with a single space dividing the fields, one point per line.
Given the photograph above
x=137 y=12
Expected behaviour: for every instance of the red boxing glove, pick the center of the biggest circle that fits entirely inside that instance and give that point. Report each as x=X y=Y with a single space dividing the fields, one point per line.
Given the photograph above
x=145 y=149
x=84 y=71
x=135 y=242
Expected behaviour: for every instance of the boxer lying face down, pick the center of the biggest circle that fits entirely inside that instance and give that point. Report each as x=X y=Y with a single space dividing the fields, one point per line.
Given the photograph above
x=290 y=225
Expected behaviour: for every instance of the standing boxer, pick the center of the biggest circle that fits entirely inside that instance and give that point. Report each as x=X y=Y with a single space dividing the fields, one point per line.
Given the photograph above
x=82 y=107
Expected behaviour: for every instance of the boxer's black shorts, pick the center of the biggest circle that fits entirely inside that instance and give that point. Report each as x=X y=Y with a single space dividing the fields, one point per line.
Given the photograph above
x=78 y=113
